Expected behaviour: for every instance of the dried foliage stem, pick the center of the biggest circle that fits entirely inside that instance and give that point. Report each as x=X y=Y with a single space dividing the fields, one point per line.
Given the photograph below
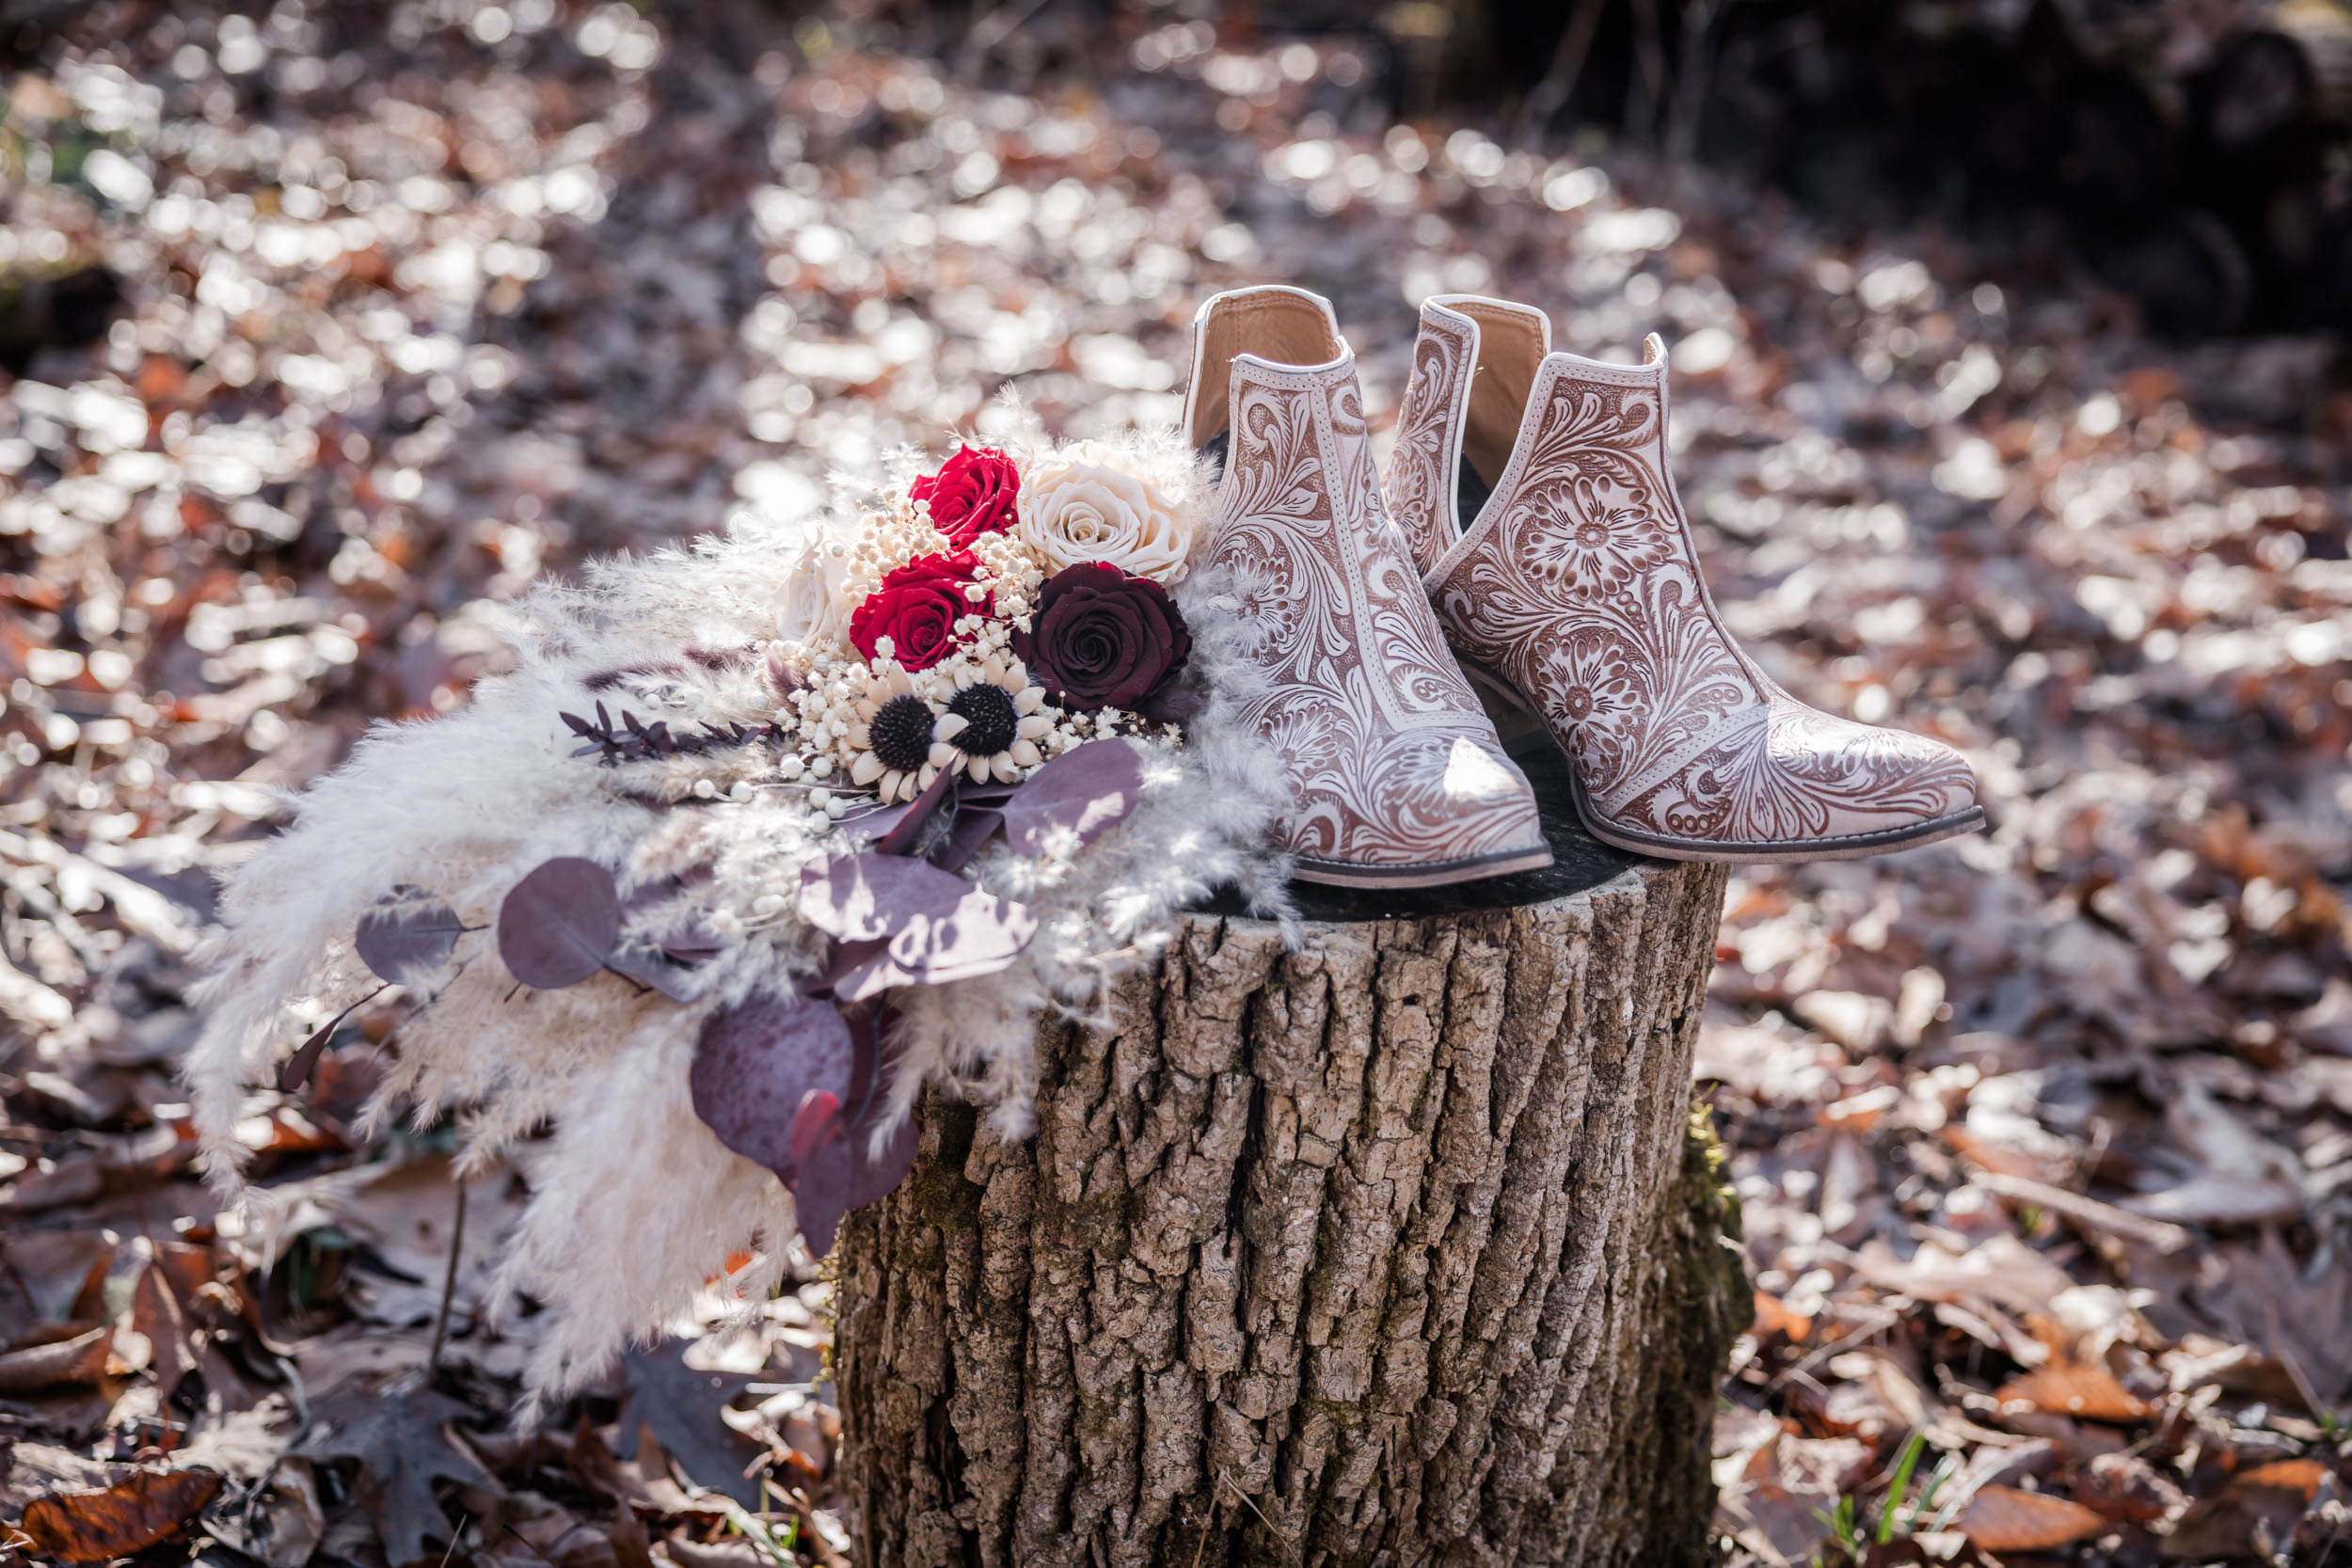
x=448 y=1284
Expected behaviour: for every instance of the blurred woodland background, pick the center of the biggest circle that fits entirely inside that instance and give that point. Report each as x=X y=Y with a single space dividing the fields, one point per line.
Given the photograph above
x=2014 y=406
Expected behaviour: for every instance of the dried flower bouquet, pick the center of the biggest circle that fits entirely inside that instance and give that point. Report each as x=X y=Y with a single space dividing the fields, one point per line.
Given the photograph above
x=758 y=838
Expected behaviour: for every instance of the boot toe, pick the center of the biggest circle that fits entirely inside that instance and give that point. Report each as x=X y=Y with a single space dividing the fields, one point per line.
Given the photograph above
x=1430 y=806
x=1802 y=783
x=1862 y=781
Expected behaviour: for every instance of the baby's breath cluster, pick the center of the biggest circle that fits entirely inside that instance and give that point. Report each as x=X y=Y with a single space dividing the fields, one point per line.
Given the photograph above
x=1010 y=570
x=889 y=537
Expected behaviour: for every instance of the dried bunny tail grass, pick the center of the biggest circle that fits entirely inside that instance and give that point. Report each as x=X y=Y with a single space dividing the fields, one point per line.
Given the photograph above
x=462 y=805
x=716 y=590
x=1227 y=751
x=1012 y=425
x=1159 y=456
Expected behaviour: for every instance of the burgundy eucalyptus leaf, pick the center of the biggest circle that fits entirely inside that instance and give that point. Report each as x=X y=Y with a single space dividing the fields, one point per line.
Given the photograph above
x=995 y=792
x=857 y=897
x=820 y=1195
x=558 y=925
x=839 y=1168
x=838 y=1162
x=1088 y=789
x=981 y=935
x=868 y=1063
x=926 y=821
x=864 y=826
x=697 y=944
x=653 y=968
x=757 y=1065
x=975 y=826
x=407 y=935
x=846 y=958
x=300 y=1066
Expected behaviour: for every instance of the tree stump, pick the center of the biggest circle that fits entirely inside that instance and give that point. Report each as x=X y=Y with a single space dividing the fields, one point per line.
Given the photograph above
x=1400 y=1249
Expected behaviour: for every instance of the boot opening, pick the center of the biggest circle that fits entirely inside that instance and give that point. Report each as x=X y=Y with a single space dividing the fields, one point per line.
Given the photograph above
x=1284 y=326
x=1471 y=492
x=1511 y=347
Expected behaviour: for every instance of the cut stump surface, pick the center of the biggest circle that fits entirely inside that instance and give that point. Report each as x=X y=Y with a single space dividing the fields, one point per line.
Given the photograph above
x=1400 y=1249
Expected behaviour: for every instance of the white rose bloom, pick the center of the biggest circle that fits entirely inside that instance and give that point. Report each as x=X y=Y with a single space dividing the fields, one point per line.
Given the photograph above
x=1078 y=508
x=813 y=611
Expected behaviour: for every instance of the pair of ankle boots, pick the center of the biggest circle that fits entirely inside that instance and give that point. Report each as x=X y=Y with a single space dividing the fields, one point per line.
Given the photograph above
x=1532 y=564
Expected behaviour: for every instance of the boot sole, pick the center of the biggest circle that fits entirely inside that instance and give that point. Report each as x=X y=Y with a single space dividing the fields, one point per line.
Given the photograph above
x=1506 y=708
x=1852 y=846
x=1434 y=873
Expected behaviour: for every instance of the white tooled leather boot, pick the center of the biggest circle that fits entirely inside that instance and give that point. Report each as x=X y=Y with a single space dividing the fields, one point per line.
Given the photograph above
x=1574 y=591
x=1397 y=778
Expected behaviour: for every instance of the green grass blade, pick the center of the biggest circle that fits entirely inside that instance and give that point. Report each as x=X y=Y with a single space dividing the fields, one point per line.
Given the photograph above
x=1903 y=1467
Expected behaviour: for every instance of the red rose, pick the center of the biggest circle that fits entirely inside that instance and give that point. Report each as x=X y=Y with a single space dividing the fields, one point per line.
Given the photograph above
x=917 y=607
x=971 y=495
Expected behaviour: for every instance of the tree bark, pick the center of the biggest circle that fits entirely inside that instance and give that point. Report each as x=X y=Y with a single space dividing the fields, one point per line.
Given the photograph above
x=1400 y=1249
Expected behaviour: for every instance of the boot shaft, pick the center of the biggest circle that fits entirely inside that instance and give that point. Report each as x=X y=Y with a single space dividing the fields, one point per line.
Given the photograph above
x=1475 y=363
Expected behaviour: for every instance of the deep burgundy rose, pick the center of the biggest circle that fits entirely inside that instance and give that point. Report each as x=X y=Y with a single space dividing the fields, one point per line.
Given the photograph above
x=1102 y=638
x=971 y=495
x=917 y=607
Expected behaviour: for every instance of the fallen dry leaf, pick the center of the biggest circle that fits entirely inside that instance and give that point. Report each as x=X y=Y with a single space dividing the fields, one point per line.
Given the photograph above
x=2304 y=1477
x=143 y=1508
x=2250 y=1516
x=81 y=1359
x=2006 y=1519
x=640 y=1486
x=61 y=1273
x=2079 y=1388
x=407 y=1217
x=2001 y=1269
x=679 y=1405
x=157 y=1318
x=2246 y=1179
x=278 y=1523
x=2125 y=1487
x=730 y=1552
x=397 y=1437
x=1774 y=1317
x=2295 y=1313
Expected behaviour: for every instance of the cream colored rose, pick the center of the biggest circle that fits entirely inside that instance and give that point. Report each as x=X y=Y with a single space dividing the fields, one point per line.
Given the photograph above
x=1080 y=507
x=813 y=611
